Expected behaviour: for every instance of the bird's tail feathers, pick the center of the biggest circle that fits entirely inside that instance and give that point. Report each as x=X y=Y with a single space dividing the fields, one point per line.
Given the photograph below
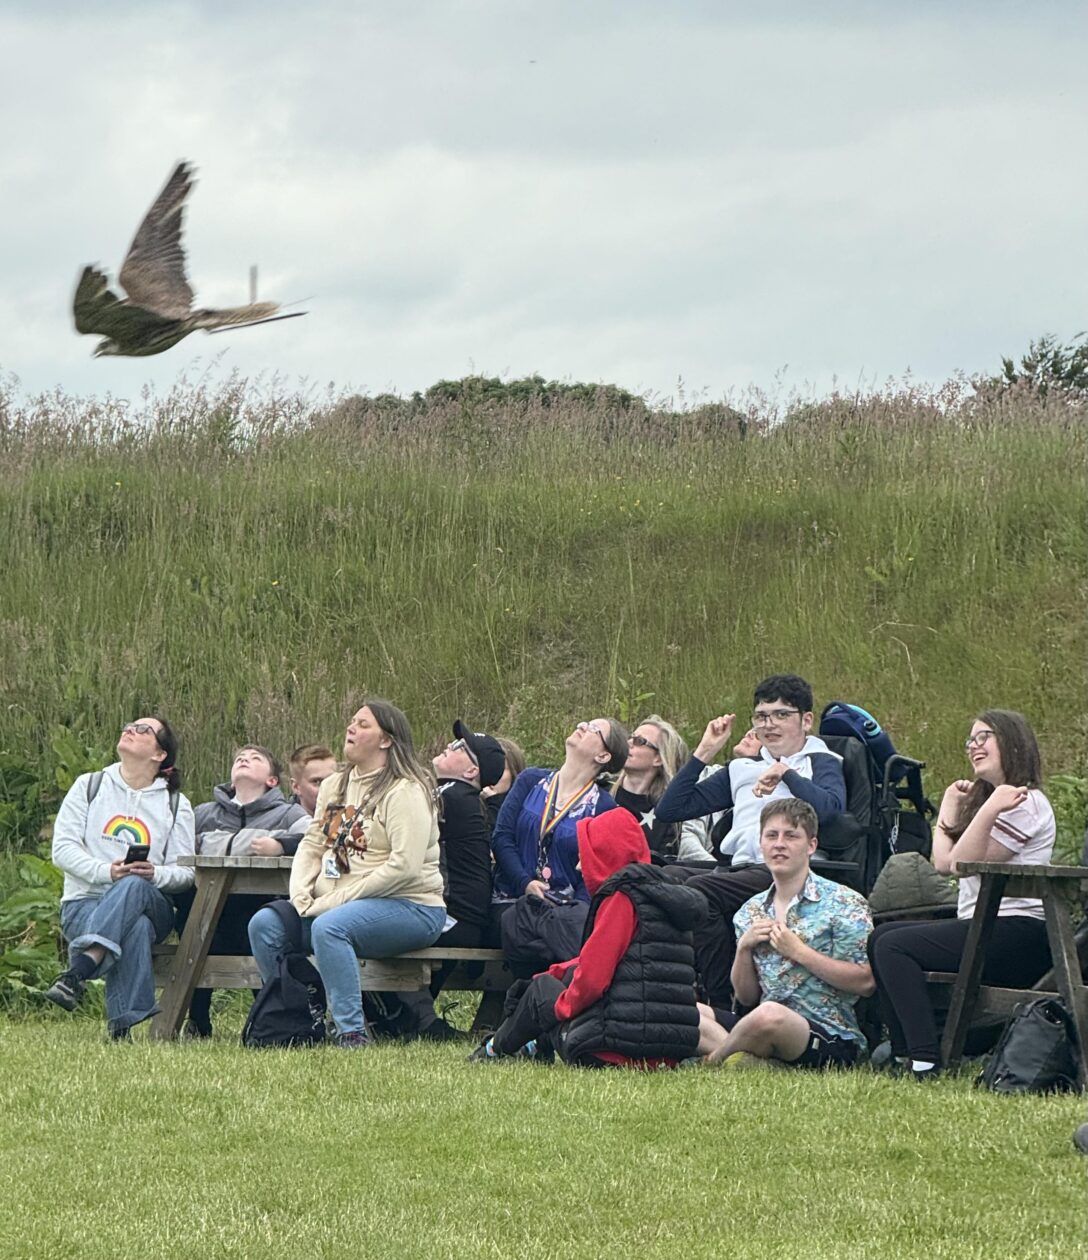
x=233 y=315
x=269 y=319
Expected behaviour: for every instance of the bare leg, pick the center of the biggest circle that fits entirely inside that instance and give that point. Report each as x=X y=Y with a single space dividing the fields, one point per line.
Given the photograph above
x=712 y=1035
x=771 y=1031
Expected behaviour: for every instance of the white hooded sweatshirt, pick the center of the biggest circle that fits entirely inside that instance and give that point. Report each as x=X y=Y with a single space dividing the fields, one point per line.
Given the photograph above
x=813 y=771
x=89 y=836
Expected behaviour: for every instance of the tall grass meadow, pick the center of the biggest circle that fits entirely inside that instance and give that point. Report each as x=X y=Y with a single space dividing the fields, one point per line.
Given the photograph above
x=248 y=561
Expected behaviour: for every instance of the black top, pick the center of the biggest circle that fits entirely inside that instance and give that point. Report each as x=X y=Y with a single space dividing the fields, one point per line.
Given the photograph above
x=494 y=804
x=465 y=840
x=662 y=837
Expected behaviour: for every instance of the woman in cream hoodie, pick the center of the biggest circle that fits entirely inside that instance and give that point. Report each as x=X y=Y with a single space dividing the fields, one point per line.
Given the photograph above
x=365 y=879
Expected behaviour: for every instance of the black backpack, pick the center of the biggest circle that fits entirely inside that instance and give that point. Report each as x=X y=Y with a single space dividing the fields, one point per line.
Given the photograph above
x=290 y=1008
x=1035 y=1053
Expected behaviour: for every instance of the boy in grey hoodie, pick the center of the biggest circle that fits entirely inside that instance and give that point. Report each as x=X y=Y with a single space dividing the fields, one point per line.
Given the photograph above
x=113 y=910
x=247 y=816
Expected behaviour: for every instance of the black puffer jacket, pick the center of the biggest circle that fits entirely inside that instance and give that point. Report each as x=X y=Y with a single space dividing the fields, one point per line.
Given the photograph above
x=648 y=1011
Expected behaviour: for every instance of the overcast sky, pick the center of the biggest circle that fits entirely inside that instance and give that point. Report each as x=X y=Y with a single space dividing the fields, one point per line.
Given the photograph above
x=723 y=194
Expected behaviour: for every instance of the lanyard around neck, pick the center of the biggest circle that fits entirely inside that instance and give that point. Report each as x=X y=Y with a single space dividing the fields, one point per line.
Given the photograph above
x=552 y=817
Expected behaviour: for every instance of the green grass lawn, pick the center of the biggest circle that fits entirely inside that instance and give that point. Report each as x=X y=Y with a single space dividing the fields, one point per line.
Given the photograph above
x=204 y=1149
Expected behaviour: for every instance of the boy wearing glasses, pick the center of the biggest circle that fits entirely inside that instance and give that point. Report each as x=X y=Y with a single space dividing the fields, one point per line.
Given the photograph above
x=472 y=761
x=777 y=758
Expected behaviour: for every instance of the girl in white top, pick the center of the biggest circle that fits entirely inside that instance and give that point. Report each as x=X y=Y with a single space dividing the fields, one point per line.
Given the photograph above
x=1001 y=815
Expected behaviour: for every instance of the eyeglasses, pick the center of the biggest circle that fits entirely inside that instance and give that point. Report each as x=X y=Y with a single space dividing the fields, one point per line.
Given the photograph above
x=588 y=726
x=457 y=745
x=977 y=740
x=772 y=715
x=139 y=728
x=640 y=741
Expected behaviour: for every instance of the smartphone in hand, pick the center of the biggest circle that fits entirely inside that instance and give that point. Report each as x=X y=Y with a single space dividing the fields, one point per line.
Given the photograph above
x=558 y=898
x=137 y=853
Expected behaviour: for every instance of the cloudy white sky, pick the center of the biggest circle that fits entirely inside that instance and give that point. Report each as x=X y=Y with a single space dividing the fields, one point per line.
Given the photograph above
x=642 y=193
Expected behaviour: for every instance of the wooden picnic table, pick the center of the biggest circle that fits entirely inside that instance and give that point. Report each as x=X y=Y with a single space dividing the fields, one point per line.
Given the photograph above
x=1062 y=890
x=187 y=966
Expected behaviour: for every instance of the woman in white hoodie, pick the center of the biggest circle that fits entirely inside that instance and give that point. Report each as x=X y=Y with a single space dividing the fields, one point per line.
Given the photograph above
x=114 y=910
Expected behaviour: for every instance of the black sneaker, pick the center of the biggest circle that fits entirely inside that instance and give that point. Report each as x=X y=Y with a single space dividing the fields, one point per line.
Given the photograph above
x=121 y=1034
x=66 y=991
x=196 y=1032
x=480 y=1054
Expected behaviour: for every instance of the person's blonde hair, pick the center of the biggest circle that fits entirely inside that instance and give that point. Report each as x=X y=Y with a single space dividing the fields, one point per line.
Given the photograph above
x=671 y=748
x=515 y=758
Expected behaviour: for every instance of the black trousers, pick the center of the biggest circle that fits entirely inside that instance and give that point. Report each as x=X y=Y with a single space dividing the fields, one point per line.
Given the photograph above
x=461 y=936
x=421 y=1003
x=716 y=941
x=529 y=1012
x=901 y=954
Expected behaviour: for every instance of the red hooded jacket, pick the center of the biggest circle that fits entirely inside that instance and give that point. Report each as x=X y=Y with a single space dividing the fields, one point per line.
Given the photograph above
x=606 y=843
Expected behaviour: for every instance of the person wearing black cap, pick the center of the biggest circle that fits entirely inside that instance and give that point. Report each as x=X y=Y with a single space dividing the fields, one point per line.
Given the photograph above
x=471 y=761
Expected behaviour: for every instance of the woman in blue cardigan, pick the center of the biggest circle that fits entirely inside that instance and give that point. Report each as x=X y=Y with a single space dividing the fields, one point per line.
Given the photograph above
x=534 y=840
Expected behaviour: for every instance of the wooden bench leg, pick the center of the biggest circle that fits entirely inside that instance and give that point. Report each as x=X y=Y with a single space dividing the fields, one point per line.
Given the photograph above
x=965 y=990
x=1063 y=953
x=192 y=953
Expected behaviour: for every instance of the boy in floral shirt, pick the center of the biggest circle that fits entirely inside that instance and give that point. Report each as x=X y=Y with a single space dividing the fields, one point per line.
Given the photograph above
x=801 y=959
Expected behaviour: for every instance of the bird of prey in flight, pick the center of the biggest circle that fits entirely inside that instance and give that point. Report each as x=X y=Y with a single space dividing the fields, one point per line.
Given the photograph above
x=159 y=309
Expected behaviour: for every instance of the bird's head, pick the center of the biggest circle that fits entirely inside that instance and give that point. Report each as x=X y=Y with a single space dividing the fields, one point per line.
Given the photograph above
x=107 y=346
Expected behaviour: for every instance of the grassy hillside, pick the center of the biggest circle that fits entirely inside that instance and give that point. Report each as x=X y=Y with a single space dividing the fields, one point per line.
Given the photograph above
x=249 y=564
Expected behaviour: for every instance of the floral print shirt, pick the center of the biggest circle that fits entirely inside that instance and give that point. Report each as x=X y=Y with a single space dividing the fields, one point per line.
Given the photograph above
x=834 y=921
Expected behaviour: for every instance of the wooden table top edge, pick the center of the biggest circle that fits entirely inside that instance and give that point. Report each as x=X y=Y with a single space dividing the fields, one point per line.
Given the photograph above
x=1023 y=870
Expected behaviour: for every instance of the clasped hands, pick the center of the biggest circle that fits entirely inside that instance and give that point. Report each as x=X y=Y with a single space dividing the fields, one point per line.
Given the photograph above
x=774 y=933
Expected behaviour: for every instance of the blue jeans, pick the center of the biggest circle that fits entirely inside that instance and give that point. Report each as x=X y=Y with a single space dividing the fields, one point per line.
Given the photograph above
x=130 y=917
x=372 y=927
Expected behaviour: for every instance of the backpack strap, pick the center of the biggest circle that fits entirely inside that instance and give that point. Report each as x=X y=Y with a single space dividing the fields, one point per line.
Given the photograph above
x=93 y=784
x=292 y=924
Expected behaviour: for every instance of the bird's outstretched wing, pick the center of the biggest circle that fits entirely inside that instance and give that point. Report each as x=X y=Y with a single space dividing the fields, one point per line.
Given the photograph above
x=98 y=310
x=153 y=273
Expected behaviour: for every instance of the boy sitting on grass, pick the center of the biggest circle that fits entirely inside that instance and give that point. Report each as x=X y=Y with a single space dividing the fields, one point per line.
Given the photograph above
x=801 y=958
x=629 y=996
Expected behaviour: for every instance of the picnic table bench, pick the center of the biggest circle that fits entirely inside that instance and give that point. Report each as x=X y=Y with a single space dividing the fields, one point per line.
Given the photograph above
x=188 y=965
x=1061 y=890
